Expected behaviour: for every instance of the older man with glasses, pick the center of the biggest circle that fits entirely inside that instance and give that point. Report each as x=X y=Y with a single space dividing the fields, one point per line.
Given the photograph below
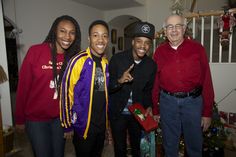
x=183 y=90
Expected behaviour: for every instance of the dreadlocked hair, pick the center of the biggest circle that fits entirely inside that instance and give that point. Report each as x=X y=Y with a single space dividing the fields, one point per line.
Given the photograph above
x=70 y=52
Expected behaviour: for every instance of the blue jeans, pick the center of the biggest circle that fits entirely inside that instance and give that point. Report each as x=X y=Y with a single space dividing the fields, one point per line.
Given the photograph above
x=46 y=138
x=181 y=116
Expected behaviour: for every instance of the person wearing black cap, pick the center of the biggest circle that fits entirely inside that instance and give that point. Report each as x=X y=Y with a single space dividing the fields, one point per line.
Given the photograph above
x=132 y=74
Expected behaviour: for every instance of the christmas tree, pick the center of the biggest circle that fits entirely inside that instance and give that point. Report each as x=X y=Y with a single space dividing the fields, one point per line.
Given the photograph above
x=215 y=137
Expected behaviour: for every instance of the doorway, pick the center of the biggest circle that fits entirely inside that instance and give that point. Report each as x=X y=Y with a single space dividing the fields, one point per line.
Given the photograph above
x=121 y=30
x=11 y=47
x=11 y=36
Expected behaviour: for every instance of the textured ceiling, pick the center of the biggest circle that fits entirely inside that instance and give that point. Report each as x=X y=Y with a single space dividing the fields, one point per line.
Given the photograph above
x=111 y=4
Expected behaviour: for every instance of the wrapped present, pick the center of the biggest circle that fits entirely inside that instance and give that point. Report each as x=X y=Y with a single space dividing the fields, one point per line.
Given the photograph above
x=147 y=122
x=230 y=142
x=148 y=144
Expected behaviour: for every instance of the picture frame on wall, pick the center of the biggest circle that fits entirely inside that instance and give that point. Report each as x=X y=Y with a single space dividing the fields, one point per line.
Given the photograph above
x=113 y=36
x=120 y=43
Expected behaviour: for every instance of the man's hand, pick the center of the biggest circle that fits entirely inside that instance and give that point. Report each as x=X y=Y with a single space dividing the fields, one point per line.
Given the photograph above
x=148 y=111
x=156 y=118
x=69 y=135
x=126 y=77
x=206 y=122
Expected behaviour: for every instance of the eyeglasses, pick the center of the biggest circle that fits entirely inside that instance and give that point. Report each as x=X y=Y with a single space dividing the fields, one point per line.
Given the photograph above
x=171 y=27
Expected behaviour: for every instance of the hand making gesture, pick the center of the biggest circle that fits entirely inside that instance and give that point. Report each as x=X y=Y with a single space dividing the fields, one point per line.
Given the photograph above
x=126 y=77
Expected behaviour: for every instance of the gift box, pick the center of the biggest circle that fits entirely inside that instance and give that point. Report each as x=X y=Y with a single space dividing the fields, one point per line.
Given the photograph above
x=148 y=123
x=148 y=144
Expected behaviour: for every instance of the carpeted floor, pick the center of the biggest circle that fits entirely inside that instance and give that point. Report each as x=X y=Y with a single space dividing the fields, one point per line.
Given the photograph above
x=22 y=148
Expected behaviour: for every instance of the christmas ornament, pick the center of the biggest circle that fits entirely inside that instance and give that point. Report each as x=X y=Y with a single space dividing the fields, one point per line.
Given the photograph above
x=177 y=7
x=214 y=130
x=226 y=23
x=214 y=137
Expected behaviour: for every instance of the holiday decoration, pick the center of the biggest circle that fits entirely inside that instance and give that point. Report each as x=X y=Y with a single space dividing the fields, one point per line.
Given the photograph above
x=188 y=33
x=226 y=23
x=147 y=121
x=230 y=143
x=160 y=37
x=177 y=7
x=148 y=144
x=214 y=137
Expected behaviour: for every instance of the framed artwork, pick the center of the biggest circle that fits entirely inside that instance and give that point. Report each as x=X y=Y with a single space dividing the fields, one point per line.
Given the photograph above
x=113 y=36
x=120 y=43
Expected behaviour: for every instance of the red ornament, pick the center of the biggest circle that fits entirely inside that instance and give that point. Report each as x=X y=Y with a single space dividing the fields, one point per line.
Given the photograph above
x=226 y=22
x=226 y=19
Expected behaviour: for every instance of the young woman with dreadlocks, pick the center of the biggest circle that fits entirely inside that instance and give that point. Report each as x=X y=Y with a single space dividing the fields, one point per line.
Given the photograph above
x=37 y=102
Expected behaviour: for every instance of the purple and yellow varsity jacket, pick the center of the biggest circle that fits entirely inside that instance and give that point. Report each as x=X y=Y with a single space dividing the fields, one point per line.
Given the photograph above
x=76 y=93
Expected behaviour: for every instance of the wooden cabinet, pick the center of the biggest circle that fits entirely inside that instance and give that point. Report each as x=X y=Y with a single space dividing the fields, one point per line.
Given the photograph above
x=6 y=134
x=6 y=140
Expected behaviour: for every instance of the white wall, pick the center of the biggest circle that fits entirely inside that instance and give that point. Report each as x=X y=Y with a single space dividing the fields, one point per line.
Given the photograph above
x=35 y=18
x=5 y=102
x=139 y=12
x=224 y=80
x=207 y=5
x=157 y=11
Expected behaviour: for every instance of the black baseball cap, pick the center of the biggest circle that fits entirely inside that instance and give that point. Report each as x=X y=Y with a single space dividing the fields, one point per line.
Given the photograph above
x=144 y=29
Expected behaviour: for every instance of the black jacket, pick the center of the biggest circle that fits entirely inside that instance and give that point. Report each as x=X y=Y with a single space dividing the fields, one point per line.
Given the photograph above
x=141 y=86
